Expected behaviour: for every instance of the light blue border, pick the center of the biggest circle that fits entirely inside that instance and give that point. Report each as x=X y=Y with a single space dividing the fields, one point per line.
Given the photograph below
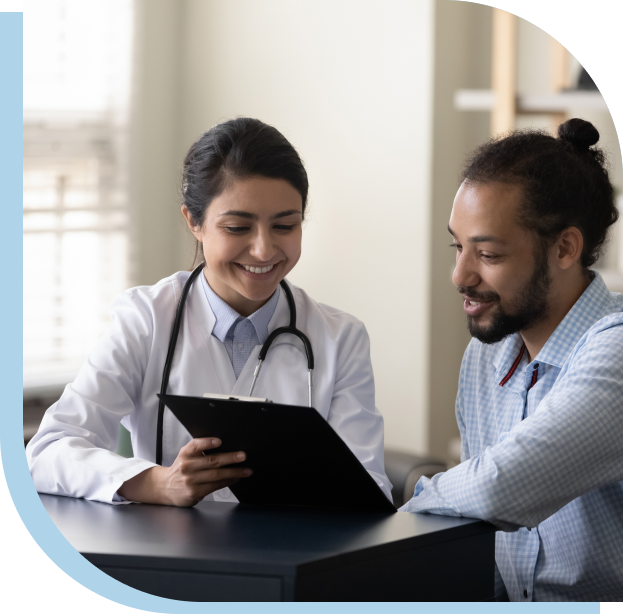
x=41 y=571
x=16 y=471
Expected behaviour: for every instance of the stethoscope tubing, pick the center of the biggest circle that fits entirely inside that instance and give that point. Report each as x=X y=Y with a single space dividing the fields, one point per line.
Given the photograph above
x=290 y=329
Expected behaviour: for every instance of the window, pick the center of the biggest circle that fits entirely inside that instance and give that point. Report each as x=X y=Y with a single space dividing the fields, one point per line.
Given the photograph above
x=77 y=77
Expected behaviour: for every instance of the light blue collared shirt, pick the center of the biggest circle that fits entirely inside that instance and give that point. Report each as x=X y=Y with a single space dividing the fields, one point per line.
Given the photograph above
x=545 y=451
x=239 y=335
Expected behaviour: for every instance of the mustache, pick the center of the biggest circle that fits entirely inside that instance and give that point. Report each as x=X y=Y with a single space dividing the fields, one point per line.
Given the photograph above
x=470 y=293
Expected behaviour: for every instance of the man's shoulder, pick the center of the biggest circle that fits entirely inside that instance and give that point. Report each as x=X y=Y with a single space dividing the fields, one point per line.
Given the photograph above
x=603 y=338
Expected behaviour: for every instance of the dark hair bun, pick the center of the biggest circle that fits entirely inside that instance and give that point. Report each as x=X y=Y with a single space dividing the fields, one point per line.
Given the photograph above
x=578 y=132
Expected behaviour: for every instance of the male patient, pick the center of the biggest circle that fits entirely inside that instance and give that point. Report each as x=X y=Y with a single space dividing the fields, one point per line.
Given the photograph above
x=540 y=399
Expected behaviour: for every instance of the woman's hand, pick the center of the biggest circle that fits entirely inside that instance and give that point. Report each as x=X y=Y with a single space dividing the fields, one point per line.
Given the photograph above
x=189 y=479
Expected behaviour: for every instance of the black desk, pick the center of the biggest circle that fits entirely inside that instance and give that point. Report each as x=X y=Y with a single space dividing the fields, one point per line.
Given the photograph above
x=229 y=552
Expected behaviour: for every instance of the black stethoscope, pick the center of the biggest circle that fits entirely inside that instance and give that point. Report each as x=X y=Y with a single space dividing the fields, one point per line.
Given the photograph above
x=290 y=329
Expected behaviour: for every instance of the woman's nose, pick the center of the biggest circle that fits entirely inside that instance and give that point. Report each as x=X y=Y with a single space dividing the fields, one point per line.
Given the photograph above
x=262 y=246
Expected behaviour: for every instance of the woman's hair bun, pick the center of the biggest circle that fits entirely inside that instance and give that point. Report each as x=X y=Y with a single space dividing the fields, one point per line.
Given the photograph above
x=578 y=132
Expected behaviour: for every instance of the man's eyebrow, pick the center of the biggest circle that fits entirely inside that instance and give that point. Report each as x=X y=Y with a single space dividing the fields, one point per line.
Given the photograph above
x=485 y=239
x=253 y=216
x=480 y=238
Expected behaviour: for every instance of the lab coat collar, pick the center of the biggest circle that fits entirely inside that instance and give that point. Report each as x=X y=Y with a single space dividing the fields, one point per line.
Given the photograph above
x=199 y=311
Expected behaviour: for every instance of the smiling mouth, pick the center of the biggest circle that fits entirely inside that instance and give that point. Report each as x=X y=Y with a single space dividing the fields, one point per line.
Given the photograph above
x=255 y=269
x=476 y=308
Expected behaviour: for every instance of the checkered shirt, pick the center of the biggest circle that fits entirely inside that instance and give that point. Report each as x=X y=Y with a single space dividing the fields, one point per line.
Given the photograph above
x=239 y=335
x=542 y=455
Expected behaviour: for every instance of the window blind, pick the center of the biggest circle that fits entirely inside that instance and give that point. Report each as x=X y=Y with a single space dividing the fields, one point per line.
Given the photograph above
x=77 y=257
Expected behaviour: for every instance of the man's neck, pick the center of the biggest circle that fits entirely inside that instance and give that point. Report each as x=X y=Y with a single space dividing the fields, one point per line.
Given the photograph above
x=564 y=294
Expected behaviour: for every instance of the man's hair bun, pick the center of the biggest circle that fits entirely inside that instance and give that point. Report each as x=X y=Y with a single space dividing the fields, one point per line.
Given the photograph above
x=564 y=181
x=578 y=132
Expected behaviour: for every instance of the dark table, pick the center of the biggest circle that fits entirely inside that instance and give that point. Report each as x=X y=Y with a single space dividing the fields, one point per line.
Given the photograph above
x=232 y=552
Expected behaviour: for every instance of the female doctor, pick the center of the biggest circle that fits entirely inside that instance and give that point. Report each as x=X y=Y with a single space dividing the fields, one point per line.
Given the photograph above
x=244 y=196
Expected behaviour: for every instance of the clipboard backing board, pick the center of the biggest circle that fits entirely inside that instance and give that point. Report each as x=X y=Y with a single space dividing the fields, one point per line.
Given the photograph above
x=298 y=460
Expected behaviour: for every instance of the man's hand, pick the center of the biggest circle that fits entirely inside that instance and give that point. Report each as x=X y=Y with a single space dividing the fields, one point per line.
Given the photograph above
x=189 y=479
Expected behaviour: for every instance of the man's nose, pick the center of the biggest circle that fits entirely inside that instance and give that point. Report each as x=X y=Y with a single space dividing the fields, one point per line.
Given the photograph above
x=465 y=273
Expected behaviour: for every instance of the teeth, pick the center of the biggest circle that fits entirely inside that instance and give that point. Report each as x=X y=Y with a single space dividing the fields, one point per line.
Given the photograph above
x=257 y=269
x=474 y=303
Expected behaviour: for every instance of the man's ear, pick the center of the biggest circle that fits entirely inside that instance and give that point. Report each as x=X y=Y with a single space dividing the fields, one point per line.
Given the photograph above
x=568 y=247
x=196 y=230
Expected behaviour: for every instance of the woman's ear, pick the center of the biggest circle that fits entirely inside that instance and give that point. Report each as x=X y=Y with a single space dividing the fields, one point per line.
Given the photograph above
x=196 y=230
x=569 y=247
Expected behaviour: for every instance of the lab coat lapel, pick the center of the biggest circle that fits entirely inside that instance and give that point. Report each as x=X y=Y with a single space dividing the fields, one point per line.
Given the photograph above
x=220 y=376
x=275 y=381
x=281 y=317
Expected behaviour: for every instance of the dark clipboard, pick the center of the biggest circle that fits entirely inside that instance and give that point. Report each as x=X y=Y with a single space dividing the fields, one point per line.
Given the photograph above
x=298 y=460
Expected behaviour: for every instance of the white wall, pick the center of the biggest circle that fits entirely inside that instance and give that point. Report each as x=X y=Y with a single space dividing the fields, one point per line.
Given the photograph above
x=349 y=82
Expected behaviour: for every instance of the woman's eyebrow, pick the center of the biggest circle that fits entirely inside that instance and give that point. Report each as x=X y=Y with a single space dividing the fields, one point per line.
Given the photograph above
x=253 y=216
x=285 y=213
x=244 y=214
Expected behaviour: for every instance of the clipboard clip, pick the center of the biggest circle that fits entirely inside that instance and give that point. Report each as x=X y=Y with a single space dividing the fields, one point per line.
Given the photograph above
x=233 y=397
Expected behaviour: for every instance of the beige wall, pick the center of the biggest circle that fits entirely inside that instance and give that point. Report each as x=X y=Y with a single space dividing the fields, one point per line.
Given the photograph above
x=349 y=82
x=156 y=152
x=364 y=89
x=462 y=60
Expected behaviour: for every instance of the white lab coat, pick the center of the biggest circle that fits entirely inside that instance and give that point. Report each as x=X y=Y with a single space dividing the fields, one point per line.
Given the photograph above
x=73 y=454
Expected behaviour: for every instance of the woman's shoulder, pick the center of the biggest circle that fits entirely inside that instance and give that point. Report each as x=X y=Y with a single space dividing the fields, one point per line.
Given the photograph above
x=166 y=288
x=164 y=294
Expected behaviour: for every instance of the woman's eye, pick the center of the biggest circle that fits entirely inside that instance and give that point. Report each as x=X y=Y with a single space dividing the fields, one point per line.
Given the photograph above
x=236 y=229
x=284 y=227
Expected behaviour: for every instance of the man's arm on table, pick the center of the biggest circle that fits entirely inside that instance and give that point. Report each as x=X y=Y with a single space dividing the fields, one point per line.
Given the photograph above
x=569 y=446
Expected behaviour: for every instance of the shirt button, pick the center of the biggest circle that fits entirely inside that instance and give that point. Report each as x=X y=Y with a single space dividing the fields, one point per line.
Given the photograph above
x=240 y=346
x=536 y=366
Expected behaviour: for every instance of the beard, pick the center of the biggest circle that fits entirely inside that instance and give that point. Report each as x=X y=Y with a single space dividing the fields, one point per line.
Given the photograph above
x=529 y=305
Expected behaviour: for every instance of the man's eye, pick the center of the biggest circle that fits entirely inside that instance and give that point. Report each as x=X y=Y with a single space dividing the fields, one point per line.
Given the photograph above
x=488 y=257
x=456 y=245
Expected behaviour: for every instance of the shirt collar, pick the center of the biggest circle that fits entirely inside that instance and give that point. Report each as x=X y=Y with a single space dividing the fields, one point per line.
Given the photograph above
x=585 y=312
x=226 y=316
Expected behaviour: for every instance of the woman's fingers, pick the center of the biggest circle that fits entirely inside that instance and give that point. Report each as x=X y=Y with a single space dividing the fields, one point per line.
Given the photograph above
x=217 y=475
x=194 y=475
x=220 y=460
x=195 y=447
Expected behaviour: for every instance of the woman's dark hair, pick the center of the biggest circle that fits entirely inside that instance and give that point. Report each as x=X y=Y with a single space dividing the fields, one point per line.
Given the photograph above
x=238 y=149
x=564 y=181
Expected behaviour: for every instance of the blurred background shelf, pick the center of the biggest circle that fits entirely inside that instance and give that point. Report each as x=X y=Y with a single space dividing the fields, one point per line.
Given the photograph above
x=542 y=104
